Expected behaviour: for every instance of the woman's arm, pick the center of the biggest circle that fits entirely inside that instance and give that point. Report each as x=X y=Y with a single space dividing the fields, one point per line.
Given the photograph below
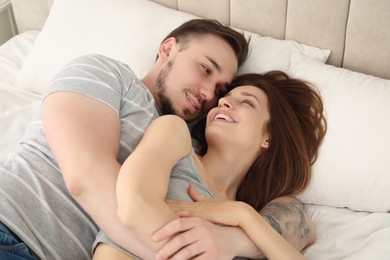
x=241 y=215
x=272 y=244
x=144 y=177
x=288 y=217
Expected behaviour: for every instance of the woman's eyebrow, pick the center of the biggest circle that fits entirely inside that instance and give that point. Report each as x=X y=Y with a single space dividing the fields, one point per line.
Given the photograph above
x=250 y=95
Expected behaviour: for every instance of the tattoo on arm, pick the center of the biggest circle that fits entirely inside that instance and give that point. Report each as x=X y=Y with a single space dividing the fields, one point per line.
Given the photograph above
x=274 y=223
x=287 y=218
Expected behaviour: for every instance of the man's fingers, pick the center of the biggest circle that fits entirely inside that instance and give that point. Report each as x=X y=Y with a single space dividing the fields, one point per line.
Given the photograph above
x=194 y=238
x=173 y=227
x=179 y=247
x=181 y=228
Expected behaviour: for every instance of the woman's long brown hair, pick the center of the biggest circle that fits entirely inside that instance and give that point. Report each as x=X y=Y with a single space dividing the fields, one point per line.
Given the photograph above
x=296 y=128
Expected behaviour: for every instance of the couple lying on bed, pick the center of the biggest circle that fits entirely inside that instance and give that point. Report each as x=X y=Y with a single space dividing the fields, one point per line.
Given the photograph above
x=79 y=166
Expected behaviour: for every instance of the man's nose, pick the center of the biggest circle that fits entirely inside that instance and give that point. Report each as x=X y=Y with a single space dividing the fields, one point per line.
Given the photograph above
x=207 y=92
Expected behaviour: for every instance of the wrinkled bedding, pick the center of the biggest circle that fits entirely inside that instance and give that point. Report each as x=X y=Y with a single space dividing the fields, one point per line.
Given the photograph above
x=15 y=103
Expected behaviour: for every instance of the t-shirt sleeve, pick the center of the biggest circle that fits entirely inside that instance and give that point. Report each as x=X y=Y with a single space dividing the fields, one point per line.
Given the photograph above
x=95 y=76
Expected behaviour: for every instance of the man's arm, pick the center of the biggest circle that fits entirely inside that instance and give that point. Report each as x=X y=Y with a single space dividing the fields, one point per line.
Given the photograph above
x=83 y=134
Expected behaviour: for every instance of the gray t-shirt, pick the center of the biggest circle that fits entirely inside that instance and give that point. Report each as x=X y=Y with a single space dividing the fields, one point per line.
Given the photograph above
x=34 y=201
x=183 y=174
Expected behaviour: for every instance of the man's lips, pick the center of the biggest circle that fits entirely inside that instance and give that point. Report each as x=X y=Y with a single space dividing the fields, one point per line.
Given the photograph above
x=193 y=103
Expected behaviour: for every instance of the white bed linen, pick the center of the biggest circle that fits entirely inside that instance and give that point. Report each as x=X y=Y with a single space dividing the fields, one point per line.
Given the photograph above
x=15 y=103
x=341 y=233
x=344 y=234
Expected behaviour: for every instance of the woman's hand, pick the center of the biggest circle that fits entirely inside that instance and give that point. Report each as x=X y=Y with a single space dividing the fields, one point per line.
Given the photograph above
x=217 y=211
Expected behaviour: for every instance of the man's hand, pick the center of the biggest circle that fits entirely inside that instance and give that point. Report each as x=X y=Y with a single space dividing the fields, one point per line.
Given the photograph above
x=195 y=238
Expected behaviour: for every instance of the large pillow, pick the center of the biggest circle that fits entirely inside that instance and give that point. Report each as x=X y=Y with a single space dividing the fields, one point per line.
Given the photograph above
x=353 y=167
x=266 y=53
x=129 y=31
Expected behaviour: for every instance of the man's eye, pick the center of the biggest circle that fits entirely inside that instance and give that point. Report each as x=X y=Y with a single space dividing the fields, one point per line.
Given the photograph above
x=206 y=70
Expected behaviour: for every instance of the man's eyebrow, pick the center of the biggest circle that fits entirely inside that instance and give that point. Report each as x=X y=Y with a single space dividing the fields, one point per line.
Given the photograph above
x=215 y=64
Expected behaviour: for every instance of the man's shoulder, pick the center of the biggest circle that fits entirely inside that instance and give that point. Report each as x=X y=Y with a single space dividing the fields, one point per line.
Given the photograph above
x=100 y=61
x=100 y=57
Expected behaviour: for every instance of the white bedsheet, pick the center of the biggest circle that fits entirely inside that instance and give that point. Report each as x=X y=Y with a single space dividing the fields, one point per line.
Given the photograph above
x=341 y=233
x=350 y=235
x=15 y=103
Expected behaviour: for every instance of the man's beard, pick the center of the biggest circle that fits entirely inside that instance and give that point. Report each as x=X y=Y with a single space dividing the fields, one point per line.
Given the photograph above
x=166 y=104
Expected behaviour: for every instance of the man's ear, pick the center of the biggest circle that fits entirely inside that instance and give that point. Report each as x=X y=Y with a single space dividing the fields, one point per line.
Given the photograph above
x=166 y=48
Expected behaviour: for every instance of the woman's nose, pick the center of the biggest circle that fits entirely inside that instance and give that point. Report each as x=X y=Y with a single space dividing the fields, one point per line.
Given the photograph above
x=224 y=102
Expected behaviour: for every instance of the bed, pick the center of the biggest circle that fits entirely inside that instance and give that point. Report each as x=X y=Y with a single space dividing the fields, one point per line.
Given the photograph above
x=341 y=46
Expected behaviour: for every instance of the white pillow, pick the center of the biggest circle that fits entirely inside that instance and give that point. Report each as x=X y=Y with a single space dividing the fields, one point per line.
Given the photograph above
x=266 y=54
x=129 y=31
x=353 y=167
x=122 y=29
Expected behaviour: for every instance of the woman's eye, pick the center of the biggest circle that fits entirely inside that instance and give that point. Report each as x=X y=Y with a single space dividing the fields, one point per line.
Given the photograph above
x=248 y=102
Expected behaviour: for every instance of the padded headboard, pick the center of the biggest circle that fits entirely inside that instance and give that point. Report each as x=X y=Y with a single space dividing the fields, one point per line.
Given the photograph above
x=356 y=31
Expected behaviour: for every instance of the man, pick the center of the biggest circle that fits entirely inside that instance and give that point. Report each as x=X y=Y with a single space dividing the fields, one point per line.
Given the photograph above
x=92 y=119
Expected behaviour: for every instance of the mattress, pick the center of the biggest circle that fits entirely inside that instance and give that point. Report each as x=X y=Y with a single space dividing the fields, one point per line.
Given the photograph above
x=341 y=233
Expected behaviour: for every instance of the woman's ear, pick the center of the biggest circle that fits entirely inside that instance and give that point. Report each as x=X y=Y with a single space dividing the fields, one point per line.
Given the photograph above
x=166 y=48
x=265 y=143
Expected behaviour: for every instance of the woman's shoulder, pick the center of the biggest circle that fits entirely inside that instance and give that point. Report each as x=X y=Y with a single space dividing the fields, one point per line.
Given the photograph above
x=172 y=125
x=173 y=131
x=174 y=119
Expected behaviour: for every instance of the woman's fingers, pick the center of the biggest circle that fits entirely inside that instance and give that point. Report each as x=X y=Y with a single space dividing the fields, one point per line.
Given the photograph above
x=195 y=195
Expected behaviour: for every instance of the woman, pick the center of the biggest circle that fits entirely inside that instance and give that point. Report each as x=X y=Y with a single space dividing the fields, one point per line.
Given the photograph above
x=261 y=141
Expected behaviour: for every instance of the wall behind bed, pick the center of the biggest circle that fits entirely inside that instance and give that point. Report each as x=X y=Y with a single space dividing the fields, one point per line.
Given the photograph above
x=356 y=31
